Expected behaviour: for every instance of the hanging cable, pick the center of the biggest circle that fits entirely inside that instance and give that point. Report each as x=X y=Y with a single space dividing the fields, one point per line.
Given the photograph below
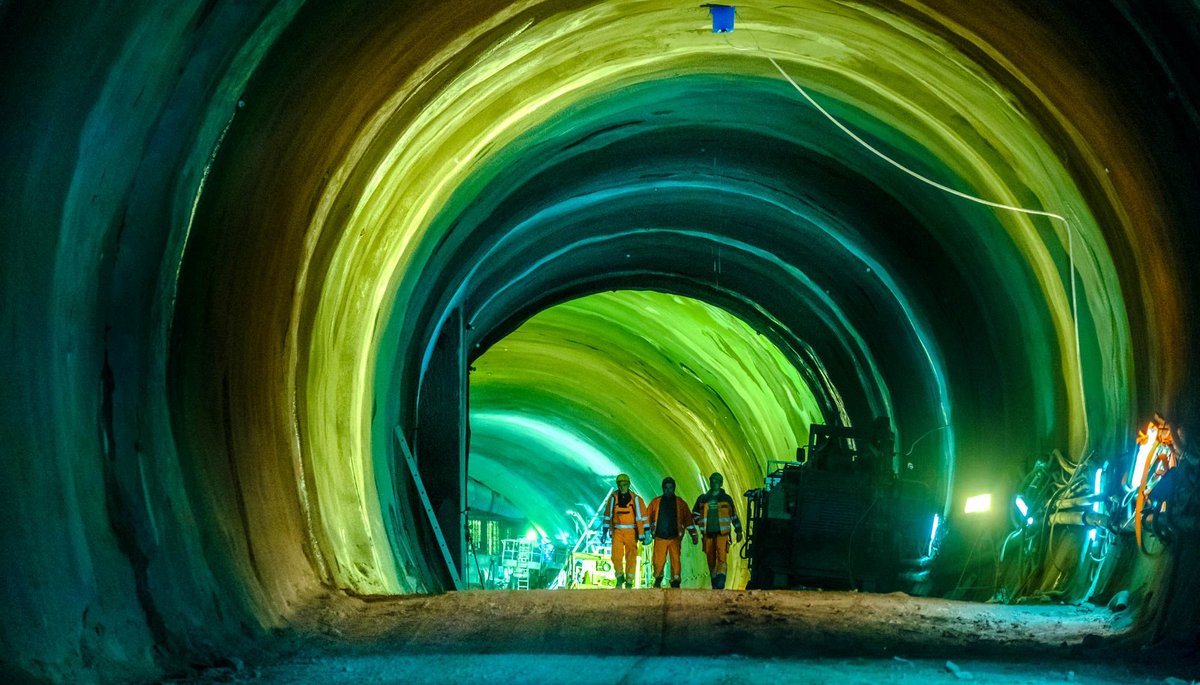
x=966 y=196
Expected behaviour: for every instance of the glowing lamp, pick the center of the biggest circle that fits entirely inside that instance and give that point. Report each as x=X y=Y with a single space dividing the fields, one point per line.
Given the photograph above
x=933 y=534
x=531 y=535
x=1147 y=441
x=1021 y=506
x=978 y=504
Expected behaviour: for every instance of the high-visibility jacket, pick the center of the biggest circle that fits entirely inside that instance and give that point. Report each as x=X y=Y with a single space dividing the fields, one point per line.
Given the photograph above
x=630 y=517
x=683 y=517
x=726 y=513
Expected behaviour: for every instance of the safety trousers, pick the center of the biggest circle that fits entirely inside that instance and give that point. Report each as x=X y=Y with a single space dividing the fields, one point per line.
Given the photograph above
x=624 y=551
x=716 y=549
x=664 y=549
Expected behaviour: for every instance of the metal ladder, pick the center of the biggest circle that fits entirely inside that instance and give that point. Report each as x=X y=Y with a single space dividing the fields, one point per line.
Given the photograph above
x=521 y=572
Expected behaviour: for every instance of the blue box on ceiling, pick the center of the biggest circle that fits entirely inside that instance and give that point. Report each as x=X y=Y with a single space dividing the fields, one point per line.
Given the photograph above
x=722 y=16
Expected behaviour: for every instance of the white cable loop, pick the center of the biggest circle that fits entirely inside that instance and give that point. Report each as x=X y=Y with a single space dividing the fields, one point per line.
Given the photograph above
x=972 y=198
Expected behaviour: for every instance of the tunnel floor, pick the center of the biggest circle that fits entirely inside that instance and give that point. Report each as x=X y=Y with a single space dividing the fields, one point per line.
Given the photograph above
x=695 y=636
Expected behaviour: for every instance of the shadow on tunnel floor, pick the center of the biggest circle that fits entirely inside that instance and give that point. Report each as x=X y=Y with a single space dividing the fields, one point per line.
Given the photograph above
x=634 y=636
x=760 y=623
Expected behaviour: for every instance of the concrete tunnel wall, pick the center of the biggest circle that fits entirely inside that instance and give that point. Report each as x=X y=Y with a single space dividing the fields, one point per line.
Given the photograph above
x=230 y=231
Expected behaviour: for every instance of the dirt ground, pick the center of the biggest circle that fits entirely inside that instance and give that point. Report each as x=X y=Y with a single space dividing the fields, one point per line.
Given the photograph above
x=695 y=637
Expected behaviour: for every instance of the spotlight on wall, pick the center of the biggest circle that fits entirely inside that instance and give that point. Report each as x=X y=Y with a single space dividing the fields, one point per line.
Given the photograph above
x=978 y=504
x=933 y=535
x=1097 y=489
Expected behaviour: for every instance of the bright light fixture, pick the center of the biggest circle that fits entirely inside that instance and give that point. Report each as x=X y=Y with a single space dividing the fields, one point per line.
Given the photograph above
x=978 y=504
x=531 y=535
x=1021 y=506
x=1142 y=457
x=933 y=535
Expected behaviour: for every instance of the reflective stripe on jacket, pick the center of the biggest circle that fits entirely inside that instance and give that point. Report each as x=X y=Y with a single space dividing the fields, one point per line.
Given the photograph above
x=683 y=517
x=628 y=517
x=726 y=512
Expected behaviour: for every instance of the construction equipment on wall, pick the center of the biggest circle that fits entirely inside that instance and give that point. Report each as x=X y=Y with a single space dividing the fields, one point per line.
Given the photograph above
x=1054 y=499
x=841 y=518
x=1154 y=459
x=1062 y=507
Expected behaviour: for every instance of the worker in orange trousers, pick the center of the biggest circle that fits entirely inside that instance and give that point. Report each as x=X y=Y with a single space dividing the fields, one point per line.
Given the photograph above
x=668 y=518
x=625 y=519
x=715 y=515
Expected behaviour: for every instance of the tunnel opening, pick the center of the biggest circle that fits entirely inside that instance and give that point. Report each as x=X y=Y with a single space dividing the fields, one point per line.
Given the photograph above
x=640 y=382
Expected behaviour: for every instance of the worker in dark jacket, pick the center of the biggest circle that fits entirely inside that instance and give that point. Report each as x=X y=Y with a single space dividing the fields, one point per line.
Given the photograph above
x=715 y=515
x=669 y=519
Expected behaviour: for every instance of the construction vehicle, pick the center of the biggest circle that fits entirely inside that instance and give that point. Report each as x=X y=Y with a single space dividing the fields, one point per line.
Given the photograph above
x=840 y=517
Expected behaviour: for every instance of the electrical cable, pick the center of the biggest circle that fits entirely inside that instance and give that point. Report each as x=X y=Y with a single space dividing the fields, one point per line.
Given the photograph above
x=924 y=435
x=967 y=564
x=952 y=191
x=966 y=196
x=995 y=569
x=753 y=510
x=850 y=542
x=870 y=148
x=1004 y=545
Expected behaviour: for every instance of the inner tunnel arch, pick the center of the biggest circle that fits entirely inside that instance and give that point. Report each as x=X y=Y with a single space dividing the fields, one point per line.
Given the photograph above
x=785 y=303
x=642 y=382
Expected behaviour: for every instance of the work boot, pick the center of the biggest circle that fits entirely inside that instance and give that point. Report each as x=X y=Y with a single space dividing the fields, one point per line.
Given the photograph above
x=657 y=581
x=620 y=580
x=719 y=581
x=675 y=582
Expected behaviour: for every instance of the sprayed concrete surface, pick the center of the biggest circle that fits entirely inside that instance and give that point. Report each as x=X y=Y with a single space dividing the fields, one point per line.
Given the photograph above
x=692 y=636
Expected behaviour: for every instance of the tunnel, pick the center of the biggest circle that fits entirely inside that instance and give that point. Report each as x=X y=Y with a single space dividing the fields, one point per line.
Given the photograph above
x=307 y=305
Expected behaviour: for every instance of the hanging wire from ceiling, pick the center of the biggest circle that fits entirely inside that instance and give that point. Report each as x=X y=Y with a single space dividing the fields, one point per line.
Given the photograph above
x=1070 y=231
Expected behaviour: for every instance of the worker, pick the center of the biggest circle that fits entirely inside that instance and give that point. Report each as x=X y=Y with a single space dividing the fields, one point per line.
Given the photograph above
x=625 y=519
x=715 y=515
x=668 y=517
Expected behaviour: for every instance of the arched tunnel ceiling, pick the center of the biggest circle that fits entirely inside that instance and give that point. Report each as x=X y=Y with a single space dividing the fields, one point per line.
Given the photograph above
x=251 y=222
